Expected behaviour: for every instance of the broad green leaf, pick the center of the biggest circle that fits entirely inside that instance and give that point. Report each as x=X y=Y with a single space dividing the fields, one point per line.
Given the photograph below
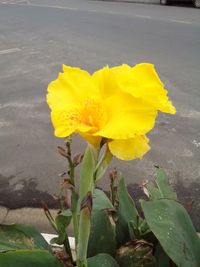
x=102 y=235
x=163 y=185
x=172 y=226
x=87 y=171
x=101 y=201
x=16 y=236
x=28 y=258
x=161 y=257
x=126 y=205
x=126 y=212
x=102 y=260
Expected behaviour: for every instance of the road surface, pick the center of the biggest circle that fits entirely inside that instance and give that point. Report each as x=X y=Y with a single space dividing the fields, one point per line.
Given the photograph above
x=38 y=36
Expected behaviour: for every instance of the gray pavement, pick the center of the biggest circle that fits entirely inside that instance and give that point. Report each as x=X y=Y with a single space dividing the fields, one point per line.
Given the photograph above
x=38 y=36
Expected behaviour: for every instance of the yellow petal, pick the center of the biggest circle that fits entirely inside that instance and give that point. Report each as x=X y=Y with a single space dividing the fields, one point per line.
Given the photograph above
x=129 y=149
x=127 y=116
x=81 y=82
x=117 y=103
x=105 y=80
x=58 y=95
x=70 y=88
x=63 y=122
x=142 y=81
x=68 y=121
x=94 y=140
x=75 y=71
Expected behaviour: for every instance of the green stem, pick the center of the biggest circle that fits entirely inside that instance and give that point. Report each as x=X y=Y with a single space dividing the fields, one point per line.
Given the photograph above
x=71 y=166
x=85 y=194
x=67 y=247
x=75 y=216
x=74 y=198
x=75 y=226
x=83 y=238
x=84 y=230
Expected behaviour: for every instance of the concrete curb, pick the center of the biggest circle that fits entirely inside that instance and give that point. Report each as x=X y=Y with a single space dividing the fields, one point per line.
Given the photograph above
x=33 y=216
x=133 y=1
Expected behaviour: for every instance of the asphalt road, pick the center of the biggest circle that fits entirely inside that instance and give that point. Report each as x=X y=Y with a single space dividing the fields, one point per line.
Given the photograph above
x=38 y=36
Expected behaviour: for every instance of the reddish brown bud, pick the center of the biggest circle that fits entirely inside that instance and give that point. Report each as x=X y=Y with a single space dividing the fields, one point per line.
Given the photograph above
x=87 y=202
x=62 y=152
x=77 y=159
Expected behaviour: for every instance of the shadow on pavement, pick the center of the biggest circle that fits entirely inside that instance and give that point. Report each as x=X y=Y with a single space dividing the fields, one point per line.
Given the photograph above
x=23 y=193
x=14 y=194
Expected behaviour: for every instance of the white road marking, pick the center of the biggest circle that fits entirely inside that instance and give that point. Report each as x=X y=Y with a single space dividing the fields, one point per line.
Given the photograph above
x=142 y=16
x=181 y=21
x=93 y=10
x=4 y=124
x=118 y=13
x=8 y=51
x=52 y=6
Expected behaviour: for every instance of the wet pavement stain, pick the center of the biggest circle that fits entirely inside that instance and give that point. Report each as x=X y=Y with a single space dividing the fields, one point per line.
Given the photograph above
x=13 y=194
x=188 y=195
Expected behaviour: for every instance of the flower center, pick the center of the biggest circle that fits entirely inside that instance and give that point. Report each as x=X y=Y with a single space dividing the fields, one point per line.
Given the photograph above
x=92 y=113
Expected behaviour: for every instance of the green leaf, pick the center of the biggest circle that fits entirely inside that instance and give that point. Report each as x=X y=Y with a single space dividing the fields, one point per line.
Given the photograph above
x=139 y=231
x=172 y=226
x=16 y=236
x=101 y=201
x=161 y=257
x=103 y=164
x=163 y=185
x=161 y=188
x=87 y=171
x=102 y=235
x=62 y=220
x=126 y=205
x=28 y=258
x=153 y=192
x=102 y=260
x=126 y=212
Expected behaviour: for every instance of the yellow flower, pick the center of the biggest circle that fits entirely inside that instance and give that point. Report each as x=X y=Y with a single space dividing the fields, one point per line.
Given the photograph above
x=119 y=104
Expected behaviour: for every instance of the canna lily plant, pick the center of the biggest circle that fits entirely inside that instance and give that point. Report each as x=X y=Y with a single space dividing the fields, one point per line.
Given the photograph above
x=113 y=110
x=114 y=107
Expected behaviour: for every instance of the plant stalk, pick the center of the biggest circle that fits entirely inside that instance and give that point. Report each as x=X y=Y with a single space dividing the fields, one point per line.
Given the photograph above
x=84 y=231
x=75 y=217
x=74 y=197
x=86 y=189
x=68 y=248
